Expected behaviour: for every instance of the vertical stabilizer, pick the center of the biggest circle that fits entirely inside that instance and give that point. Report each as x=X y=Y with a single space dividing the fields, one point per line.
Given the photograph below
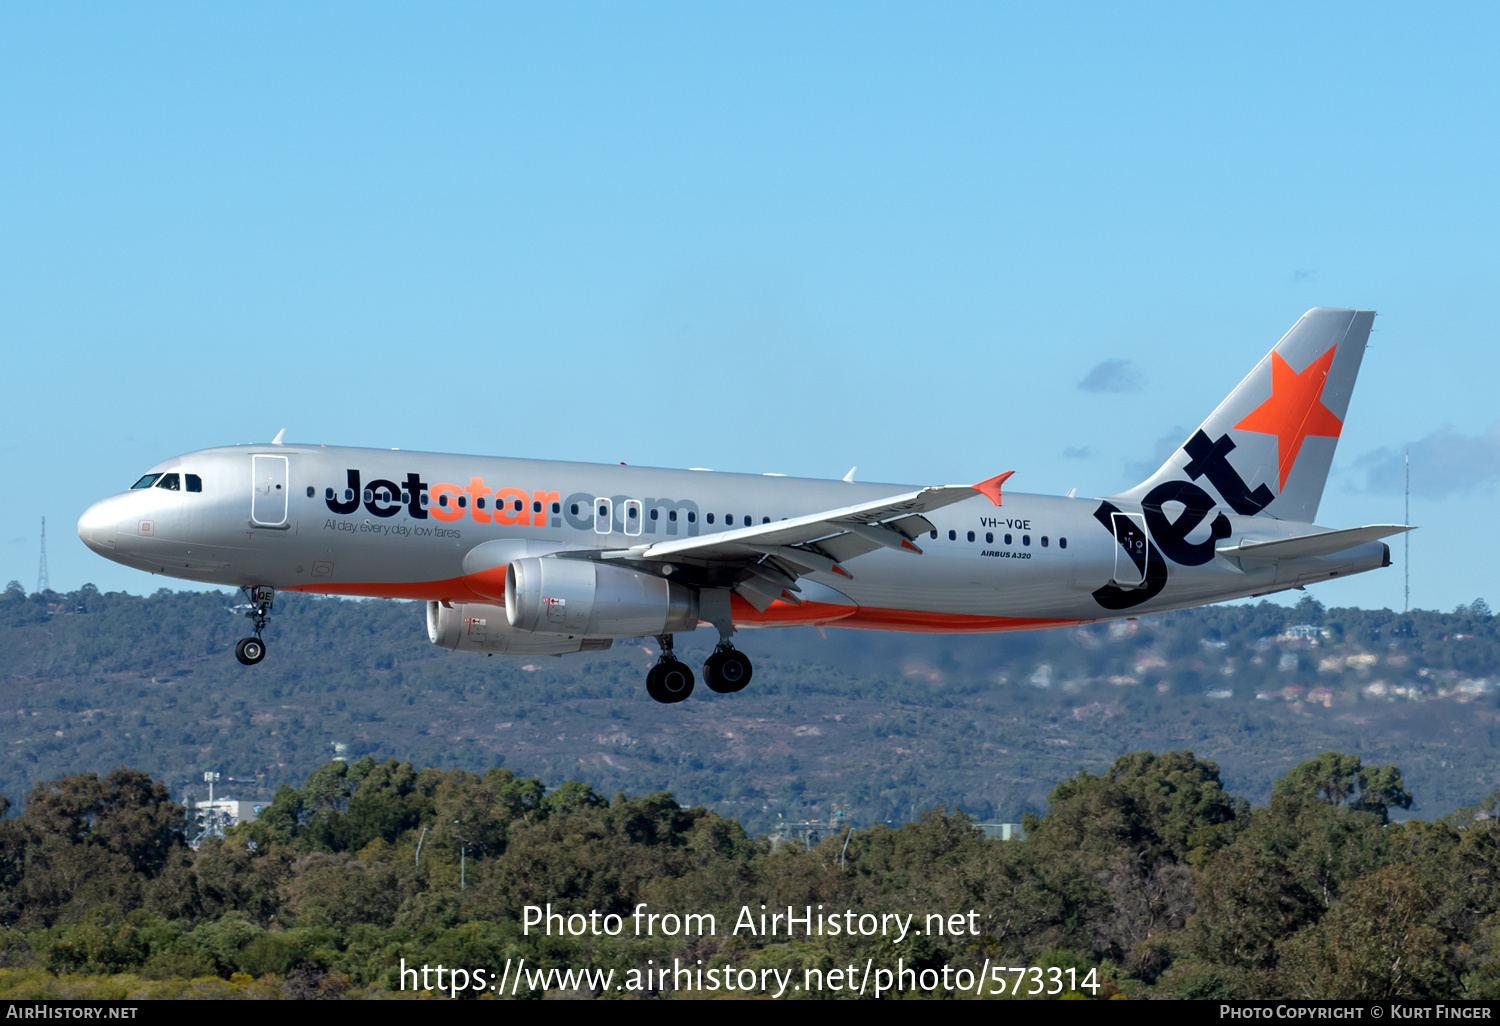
x=1268 y=447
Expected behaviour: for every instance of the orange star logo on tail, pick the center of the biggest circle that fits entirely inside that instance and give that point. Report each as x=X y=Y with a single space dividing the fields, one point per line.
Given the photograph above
x=1295 y=409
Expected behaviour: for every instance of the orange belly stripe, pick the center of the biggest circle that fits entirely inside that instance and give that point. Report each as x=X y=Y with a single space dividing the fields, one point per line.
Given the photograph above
x=488 y=586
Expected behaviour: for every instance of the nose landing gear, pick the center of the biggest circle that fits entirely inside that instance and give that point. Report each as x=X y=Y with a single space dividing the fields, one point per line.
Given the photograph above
x=253 y=649
x=669 y=680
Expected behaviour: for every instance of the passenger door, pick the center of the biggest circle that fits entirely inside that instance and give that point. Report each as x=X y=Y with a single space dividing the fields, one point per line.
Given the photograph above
x=268 y=491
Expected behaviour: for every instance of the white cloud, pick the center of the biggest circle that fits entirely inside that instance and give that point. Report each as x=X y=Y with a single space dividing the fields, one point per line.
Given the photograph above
x=1166 y=445
x=1113 y=376
x=1444 y=463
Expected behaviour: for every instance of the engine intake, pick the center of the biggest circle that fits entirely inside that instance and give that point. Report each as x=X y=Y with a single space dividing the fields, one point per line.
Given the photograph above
x=476 y=627
x=548 y=595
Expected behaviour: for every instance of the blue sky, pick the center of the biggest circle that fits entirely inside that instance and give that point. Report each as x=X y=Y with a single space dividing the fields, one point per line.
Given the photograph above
x=787 y=238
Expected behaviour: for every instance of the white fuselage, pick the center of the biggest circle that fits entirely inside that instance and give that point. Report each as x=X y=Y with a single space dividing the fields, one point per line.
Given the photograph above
x=399 y=524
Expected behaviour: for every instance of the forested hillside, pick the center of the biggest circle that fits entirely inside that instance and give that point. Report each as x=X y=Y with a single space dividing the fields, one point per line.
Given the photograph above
x=1147 y=880
x=884 y=725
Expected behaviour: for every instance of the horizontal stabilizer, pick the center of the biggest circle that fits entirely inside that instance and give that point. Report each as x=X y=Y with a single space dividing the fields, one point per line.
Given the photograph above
x=1323 y=543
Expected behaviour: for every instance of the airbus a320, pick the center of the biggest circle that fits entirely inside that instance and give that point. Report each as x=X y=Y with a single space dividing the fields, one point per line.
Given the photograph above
x=533 y=557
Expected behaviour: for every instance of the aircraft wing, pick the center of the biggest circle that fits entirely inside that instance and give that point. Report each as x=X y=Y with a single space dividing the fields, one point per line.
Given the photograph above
x=776 y=554
x=1323 y=543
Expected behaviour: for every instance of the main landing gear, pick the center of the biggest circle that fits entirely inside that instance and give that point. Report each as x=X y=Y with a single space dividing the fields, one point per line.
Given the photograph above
x=253 y=649
x=727 y=670
x=670 y=680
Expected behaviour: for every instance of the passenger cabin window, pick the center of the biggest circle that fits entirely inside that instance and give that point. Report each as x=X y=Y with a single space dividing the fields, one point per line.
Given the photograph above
x=1062 y=543
x=1007 y=539
x=989 y=538
x=194 y=482
x=328 y=493
x=171 y=482
x=953 y=536
x=655 y=514
x=1044 y=541
x=971 y=536
x=146 y=482
x=934 y=535
x=310 y=491
x=1025 y=539
x=710 y=518
x=748 y=521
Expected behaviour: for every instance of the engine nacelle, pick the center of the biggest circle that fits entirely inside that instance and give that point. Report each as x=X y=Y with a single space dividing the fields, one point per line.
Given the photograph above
x=475 y=627
x=548 y=595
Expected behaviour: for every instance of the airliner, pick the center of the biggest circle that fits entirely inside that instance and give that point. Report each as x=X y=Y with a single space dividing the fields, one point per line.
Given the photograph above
x=536 y=557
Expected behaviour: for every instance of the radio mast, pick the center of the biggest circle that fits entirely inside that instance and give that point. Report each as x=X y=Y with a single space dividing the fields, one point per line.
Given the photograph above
x=42 y=584
x=1406 y=541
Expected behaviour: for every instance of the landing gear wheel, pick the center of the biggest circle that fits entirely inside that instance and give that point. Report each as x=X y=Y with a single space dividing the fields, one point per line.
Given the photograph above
x=258 y=599
x=669 y=681
x=250 y=651
x=726 y=671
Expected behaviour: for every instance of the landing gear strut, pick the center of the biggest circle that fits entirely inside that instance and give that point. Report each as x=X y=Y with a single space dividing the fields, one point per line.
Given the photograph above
x=727 y=670
x=670 y=680
x=253 y=649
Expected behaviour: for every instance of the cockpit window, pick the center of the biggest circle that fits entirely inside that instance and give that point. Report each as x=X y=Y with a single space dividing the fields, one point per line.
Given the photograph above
x=171 y=482
x=146 y=482
x=194 y=482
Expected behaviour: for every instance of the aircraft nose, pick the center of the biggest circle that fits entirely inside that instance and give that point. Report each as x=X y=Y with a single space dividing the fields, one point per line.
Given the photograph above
x=96 y=528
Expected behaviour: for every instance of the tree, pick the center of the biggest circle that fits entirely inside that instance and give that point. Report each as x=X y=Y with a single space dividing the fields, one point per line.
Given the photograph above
x=1118 y=847
x=1342 y=779
x=1281 y=873
x=1373 y=944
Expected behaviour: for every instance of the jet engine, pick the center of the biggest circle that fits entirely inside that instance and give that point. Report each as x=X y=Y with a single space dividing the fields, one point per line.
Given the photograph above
x=548 y=595
x=476 y=627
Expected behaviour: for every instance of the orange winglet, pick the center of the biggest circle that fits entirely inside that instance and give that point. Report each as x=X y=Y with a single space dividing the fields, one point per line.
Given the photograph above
x=840 y=570
x=991 y=489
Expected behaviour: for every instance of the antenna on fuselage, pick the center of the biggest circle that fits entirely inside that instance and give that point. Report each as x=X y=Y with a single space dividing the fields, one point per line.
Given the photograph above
x=279 y=436
x=850 y=476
